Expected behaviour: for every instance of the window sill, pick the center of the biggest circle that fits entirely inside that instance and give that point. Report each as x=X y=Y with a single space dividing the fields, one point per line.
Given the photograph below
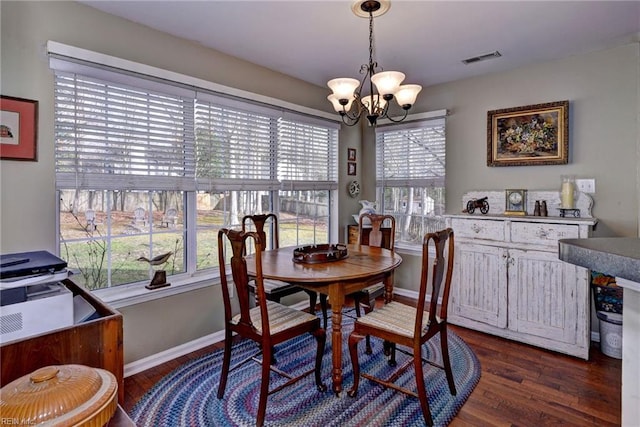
x=127 y=295
x=406 y=249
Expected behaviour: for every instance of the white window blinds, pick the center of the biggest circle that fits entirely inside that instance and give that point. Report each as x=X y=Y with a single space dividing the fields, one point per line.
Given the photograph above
x=411 y=156
x=121 y=130
x=111 y=136
x=236 y=149
x=307 y=156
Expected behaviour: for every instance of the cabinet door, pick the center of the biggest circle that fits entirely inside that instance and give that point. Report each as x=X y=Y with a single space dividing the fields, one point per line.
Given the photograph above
x=479 y=287
x=542 y=295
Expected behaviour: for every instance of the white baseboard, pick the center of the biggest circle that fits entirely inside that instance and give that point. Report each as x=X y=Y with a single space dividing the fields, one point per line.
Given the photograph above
x=172 y=353
x=406 y=293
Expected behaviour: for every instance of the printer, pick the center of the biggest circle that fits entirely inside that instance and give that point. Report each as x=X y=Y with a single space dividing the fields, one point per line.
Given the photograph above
x=33 y=300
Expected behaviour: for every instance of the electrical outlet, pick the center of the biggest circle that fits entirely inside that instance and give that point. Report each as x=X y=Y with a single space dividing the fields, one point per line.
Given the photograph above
x=586 y=185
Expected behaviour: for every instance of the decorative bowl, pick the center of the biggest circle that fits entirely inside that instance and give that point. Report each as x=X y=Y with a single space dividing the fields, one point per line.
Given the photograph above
x=314 y=254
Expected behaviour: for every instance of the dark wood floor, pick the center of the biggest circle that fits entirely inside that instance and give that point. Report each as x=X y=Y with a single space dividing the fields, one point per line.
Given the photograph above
x=520 y=385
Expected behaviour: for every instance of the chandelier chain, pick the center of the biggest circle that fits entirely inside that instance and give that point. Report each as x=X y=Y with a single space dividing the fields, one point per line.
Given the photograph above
x=370 y=38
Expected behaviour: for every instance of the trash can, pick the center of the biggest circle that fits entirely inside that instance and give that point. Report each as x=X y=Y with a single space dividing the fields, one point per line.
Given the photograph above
x=607 y=297
x=610 y=333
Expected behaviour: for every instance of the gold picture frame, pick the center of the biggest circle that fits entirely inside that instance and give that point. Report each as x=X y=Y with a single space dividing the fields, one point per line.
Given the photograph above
x=529 y=135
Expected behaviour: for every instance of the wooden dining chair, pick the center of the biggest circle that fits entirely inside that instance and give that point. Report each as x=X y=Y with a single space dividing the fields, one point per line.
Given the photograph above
x=268 y=323
x=411 y=327
x=379 y=232
x=380 y=236
x=275 y=289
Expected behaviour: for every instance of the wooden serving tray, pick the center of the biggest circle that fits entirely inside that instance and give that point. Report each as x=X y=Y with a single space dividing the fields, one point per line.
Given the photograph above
x=314 y=254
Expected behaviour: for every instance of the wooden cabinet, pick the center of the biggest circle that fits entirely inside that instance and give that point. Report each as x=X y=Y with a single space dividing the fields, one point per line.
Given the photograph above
x=508 y=280
x=96 y=343
x=352 y=234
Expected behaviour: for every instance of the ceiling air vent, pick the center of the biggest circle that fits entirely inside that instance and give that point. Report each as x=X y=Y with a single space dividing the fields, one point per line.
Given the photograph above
x=494 y=54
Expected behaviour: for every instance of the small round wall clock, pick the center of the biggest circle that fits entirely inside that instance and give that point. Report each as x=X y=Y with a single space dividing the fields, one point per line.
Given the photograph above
x=354 y=188
x=515 y=202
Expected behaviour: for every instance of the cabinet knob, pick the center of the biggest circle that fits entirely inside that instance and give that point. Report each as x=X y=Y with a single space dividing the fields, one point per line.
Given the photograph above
x=475 y=228
x=542 y=233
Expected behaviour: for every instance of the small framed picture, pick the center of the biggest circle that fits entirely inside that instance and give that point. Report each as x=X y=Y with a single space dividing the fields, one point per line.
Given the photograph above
x=18 y=128
x=351 y=154
x=351 y=168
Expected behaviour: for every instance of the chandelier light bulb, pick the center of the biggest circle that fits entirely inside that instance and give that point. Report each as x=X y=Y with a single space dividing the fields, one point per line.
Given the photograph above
x=336 y=104
x=343 y=88
x=372 y=108
x=407 y=94
x=387 y=82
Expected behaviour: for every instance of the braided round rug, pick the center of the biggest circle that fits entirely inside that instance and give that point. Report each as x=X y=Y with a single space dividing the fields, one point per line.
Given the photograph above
x=187 y=396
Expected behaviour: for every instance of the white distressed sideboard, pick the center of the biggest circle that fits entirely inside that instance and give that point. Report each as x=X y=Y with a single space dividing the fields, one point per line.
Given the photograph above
x=508 y=280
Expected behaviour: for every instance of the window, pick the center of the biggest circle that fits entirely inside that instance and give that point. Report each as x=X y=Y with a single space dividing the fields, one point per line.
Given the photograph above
x=410 y=177
x=146 y=168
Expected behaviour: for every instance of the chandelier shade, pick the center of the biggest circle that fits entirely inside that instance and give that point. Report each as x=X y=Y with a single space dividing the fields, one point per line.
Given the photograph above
x=407 y=94
x=343 y=88
x=348 y=98
x=375 y=106
x=336 y=103
x=387 y=82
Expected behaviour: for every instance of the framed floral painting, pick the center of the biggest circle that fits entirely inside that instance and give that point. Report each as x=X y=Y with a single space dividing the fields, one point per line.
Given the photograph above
x=530 y=135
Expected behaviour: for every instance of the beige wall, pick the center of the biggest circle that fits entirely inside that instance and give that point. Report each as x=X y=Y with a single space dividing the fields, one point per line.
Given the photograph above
x=602 y=88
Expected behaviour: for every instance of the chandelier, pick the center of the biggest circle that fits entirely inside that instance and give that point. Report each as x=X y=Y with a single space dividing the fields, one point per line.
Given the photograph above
x=347 y=97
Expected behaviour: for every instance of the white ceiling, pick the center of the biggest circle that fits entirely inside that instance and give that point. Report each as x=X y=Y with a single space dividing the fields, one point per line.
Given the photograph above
x=319 y=40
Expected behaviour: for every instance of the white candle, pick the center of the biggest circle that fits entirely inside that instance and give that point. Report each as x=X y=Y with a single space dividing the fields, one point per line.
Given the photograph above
x=566 y=195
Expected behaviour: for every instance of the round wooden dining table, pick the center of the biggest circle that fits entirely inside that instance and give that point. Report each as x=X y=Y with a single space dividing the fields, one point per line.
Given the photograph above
x=364 y=266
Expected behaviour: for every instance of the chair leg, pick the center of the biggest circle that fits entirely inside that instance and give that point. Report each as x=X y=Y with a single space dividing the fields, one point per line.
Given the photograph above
x=422 y=391
x=368 y=349
x=391 y=349
x=323 y=305
x=321 y=338
x=226 y=361
x=354 y=339
x=313 y=296
x=264 y=387
x=444 y=346
x=356 y=304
